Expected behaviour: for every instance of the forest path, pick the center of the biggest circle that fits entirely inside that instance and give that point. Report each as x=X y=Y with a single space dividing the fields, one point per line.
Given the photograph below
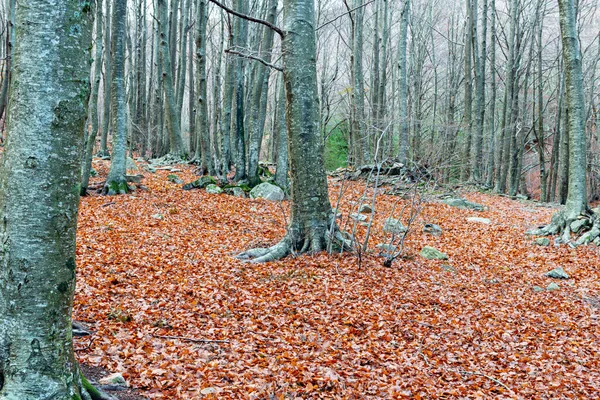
x=159 y=264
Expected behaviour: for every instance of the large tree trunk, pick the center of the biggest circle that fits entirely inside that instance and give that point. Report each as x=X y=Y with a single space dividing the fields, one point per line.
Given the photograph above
x=39 y=196
x=259 y=100
x=91 y=139
x=576 y=204
x=116 y=182
x=241 y=32
x=577 y=197
x=311 y=216
x=176 y=147
x=107 y=83
x=403 y=84
x=203 y=139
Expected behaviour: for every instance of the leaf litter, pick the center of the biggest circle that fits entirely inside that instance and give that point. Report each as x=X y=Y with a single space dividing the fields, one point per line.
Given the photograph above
x=182 y=318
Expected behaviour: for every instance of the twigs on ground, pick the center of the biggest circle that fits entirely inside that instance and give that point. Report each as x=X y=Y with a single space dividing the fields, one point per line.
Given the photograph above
x=188 y=339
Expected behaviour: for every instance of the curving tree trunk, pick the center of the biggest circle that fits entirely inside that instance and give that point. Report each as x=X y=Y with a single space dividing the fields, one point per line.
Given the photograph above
x=39 y=197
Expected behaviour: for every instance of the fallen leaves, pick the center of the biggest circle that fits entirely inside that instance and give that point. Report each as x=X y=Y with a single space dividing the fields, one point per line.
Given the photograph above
x=201 y=324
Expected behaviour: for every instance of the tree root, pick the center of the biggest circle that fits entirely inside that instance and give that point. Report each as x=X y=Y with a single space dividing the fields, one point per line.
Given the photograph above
x=586 y=225
x=297 y=241
x=115 y=186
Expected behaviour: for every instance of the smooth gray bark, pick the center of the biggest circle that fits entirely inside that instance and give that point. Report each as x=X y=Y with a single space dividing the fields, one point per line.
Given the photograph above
x=403 y=84
x=259 y=100
x=311 y=216
x=173 y=119
x=241 y=32
x=577 y=196
x=116 y=182
x=91 y=138
x=39 y=197
x=107 y=83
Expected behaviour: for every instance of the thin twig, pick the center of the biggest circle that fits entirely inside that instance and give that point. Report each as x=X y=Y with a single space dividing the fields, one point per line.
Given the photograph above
x=486 y=376
x=193 y=340
x=251 y=57
x=341 y=15
x=249 y=18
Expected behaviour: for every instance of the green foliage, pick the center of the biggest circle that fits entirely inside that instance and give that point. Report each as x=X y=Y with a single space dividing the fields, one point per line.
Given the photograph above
x=336 y=150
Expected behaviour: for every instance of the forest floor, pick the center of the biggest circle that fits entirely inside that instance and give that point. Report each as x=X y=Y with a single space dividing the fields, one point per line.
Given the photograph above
x=182 y=318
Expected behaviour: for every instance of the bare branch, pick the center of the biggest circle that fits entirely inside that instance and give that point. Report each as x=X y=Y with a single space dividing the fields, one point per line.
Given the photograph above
x=251 y=57
x=249 y=18
x=341 y=15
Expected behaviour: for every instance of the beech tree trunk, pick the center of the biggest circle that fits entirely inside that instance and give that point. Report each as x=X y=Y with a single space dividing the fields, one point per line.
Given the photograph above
x=116 y=182
x=39 y=197
x=311 y=216
x=577 y=196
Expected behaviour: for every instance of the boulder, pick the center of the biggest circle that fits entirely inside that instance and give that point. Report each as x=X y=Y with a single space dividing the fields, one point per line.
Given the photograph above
x=479 y=220
x=200 y=183
x=386 y=247
x=365 y=209
x=431 y=253
x=463 y=204
x=552 y=287
x=578 y=224
x=267 y=191
x=542 y=241
x=394 y=226
x=115 y=379
x=432 y=229
x=557 y=273
x=131 y=165
x=359 y=217
x=538 y=289
x=213 y=189
x=175 y=179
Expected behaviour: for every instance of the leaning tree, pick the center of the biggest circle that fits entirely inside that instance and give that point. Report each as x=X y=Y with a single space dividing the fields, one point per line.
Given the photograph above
x=576 y=214
x=39 y=198
x=312 y=227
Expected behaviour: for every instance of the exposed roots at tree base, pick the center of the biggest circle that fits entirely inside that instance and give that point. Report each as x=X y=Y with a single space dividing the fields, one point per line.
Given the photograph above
x=586 y=226
x=90 y=392
x=299 y=241
x=115 y=186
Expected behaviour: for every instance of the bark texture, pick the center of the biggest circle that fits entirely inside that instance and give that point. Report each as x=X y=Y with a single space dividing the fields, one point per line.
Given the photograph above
x=39 y=196
x=311 y=228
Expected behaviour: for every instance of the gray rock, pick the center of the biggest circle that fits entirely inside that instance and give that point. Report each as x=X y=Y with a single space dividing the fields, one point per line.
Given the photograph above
x=213 y=189
x=365 y=209
x=552 y=287
x=578 y=224
x=174 y=178
x=448 y=268
x=479 y=220
x=464 y=204
x=386 y=247
x=359 y=217
x=557 y=273
x=267 y=191
x=131 y=165
x=432 y=229
x=134 y=178
x=113 y=379
x=235 y=191
x=200 y=183
x=158 y=216
x=431 y=253
x=597 y=241
x=538 y=289
x=542 y=241
x=394 y=226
